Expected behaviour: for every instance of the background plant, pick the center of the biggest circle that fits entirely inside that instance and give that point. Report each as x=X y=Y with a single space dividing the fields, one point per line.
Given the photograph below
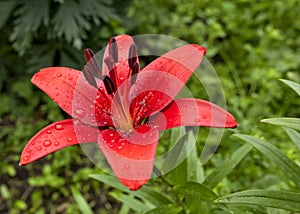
x=251 y=46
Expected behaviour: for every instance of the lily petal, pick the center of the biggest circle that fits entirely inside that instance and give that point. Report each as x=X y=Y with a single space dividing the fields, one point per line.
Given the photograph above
x=163 y=79
x=70 y=90
x=55 y=137
x=130 y=157
x=192 y=112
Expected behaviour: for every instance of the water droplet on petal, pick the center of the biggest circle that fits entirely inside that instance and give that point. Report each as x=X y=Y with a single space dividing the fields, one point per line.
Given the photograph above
x=197 y=120
x=49 y=131
x=80 y=112
x=59 y=127
x=47 y=143
x=126 y=166
x=39 y=148
x=120 y=147
x=58 y=75
x=111 y=135
x=25 y=158
x=69 y=139
x=56 y=143
x=204 y=116
x=70 y=78
x=28 y=150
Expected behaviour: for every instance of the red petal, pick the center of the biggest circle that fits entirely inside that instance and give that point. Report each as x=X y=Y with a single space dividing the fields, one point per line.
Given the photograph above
x=164 y=78
x=69 y=89
x=193 y=112
x=122 y=68
x=55 y=137
x=130 y=157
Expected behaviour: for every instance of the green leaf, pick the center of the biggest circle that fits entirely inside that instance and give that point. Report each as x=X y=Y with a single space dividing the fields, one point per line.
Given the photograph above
x=267 y=198
x=295 y=86
x=284 y=121
x=287 y=166
x=227 y=166
x=6 y=7
x=145 y=193
x=131 y=202
x=165 y=209
x=81 y=202
x=31 y=15
x=196 y=190
x=294 y=135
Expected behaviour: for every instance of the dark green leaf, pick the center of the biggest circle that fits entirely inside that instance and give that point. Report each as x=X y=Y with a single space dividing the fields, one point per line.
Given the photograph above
x=294 y=135
x=131 y=202
x=165 y=209
x=287 y=166
x=82 y=203
x=6 y=8
x=267 y=198
x=145 y=193
x=284 y=121
x=295 y=86
x=196 y=190
x=227 y=166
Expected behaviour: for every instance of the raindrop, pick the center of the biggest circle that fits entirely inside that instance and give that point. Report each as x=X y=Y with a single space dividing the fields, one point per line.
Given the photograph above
x=28 y=150
x=126 y=166
x=80 y=112
x=32 y=143
x=120 y=147
x=69 y=139
x=56 y=143
x=197 y=120
x=49 y=131
x=59 y=127
x=39 y=148
x=25 y=158
x=112 y=141
x=47 y=143
x=204 y=116
x=58 y=75
x=70 y=78
x=111 y=135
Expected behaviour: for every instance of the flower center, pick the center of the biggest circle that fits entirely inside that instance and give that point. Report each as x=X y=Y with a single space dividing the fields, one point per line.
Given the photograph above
x=120 y=95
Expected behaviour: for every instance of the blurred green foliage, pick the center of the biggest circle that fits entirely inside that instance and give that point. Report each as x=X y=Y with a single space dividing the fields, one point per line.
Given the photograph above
x=251 y=45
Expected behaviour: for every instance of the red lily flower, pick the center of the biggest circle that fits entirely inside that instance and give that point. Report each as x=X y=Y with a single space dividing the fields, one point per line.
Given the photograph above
x=123 y=108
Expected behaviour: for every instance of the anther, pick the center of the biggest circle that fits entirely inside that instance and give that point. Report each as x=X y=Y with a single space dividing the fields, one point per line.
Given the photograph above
x=89 y=76
x=109 y=85
x=113 y=49
x=92 y=63
x=134 y=71
x=132 y=55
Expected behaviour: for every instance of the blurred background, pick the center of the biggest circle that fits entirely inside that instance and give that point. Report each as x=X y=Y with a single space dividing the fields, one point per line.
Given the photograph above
x=251 y=46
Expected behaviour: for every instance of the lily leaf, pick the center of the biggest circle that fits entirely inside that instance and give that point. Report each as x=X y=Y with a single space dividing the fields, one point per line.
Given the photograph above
x=295 y=86
x=284 y=121
x=131 y=202
x=196 y=190
x=287 y=166
x=224 y=169
x=81 y=202
x=145 y=193
x=165 y=209
x=294 y=135
x=267 y=198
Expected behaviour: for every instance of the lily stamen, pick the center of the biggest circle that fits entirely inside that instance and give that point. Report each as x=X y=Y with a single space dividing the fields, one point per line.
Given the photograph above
x=92 y=62
x=113 y=49
x=89 y=76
